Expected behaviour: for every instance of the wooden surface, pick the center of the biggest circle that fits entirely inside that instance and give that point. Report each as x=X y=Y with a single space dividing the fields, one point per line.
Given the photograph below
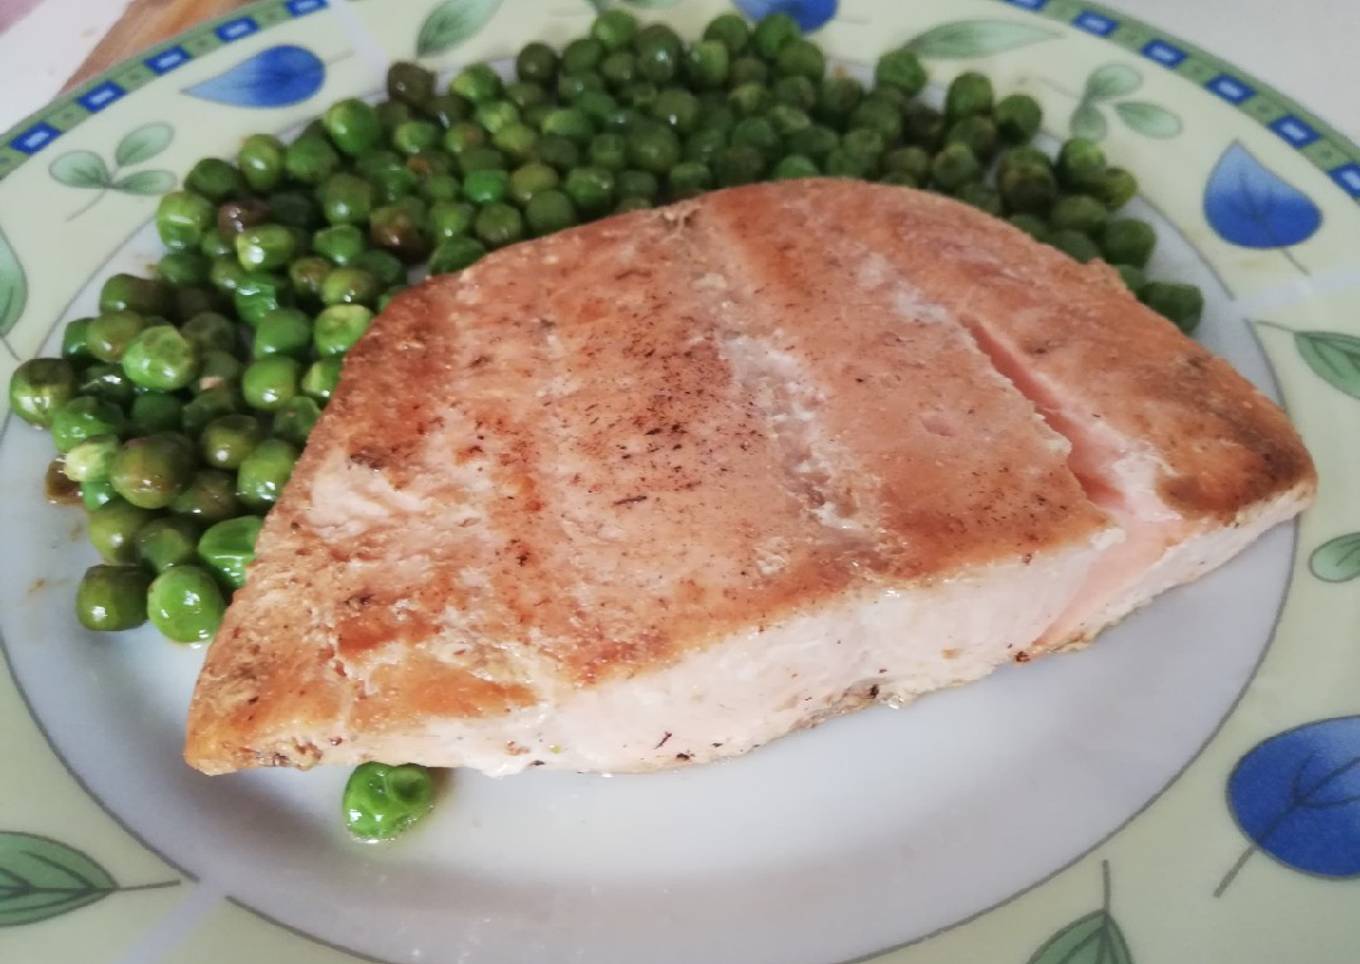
x=144 y=24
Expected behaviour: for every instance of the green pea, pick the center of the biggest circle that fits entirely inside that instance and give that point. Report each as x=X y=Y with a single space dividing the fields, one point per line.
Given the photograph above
x=441 y=187
x=338 y=328
x=549 y=211
x=161 y=358
x=324 y=374
x=84 y=417
x=486 y=187
x=837 y=98
x=981 y=196
x=215 y=179
x=182 y=218
x=1028 y=188
x=284 y=331
x=216 y=244
x=1081 y=162
x=613 y=29
x=557 y=151
x=154 y=412
x=584 y=54
x=353 y=126
x=382 y=801
x=455 y=254
x=208 y=404
x=39 y=388
x=208 y=331
x=90 y=460
x=1080 y=213
x=413 y=136
x=341 y=244
x=901 y=69
x=679 y=109
x=478 y=83
x=911 y=161
x=210 y=496
x=525 y=94
x=739 y=164
x=609 y=151
x=227 y=440
x=619 y=69
x=1018 y=117
x=969 y=93
x=1115 y=187
x=639 y=96
x=192 y=300
x=571 y=123
x=182 y=268
x=1181 y=304
x=346 y=199
x=392 y=114
x=163 y=543
x=1033 y=225
x=815 y=142
x=218 y=368
x=794 y=166
x=264 y=473
x=448 y=220
x=643 y=184
x=801 y=58
x=310 y=160
x=773 y=32
x=1128 y=241
x=306 y=274
x=703 y=146
x=517 y=141
x=1075 y=244
x=448 y=109
x=498 y=225
x=434 y=162
x=294 y=422
x=977 y=131
x=261 y=162
x=922 y=126
x=496 y=115
x=627 y=205
x=75 y=340
x=386 y=267
x=295 y=209
x=1133 y=277
x=409 y=83
x=591 y=189
x=786 y=120
x=349 y=286
x=653 y=148
x=394 y=183
x=465 y=136
x=94 y=495
x=184 y=603
x=731 y=30
x=846 y=163
x=268 y=383
x=227 y=548
x=112 y=598
x=690 y=178
x=125 y=292
x=954 y=166
x=531 y=179
x=149 y=472
x=536 y=62
x=110 y=333
x=107 y=383
x=396 y=229
x=114 y=527
x=710 y=64
x=481 y=159
x=226 y=274
x=259 y=293
x=750 y=99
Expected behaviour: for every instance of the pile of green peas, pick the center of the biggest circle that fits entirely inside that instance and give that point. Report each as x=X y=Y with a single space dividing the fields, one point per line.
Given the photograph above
x=181 y=407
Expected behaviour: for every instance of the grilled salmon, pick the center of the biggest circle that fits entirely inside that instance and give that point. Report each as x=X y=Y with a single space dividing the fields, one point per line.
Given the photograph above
x=663 y=488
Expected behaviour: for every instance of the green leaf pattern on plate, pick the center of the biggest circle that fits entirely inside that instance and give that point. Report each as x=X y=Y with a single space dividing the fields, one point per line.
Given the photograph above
x=42 y=878
x=86 y=170
x=1092 y=939
x=13 y=290
x=452 y=22
x=1334 y=357
x=1337 y=560
x=1142 y=117
x=1147 y=119
x=1112 y=80
x=976 y=38
x=1088 y=122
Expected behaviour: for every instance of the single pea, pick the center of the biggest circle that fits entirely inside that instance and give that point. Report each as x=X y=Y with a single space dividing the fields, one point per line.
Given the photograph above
x=185 y=604
x=1128 y=241
x=208 y=331
x=912 y=161
x=448 y=220
x=486 y=187
x=498 y=225
x=40 y=387
x=441 y=187
x=1017 y=118
x=216 y=244
x=786 y=120
x=75 y=340
x=209 y=497
x=448 y=109
x=113 y=528
x=591 y=189
x=324 y=374
x=310 y=160
x=182 y=268
x=1181 y=304
x=497 y=114
x=294 y=422
x=516 y=141
x=731 y=30
x=703 y=146
x=1080 y=213
x=531 y=179
x=154 y=412
x=690 y=178
x=954 y=166
x=382 y=801
x=413 y=136
x=265 y=247
x=182 y=218
x=215 y=179
x=353 y=126
x=107 y=383
x=261 y=161
x=816 y=142
x=1081 y=162
x=525 y=94
x=923 y=126
x=395 y=229
x=795 y=166
x=1033 y=225
x=536 y=62
x=268 y=383
x=393 y=183
x=969 y=93
x=386 y=267
x=226 y=274
x=227 y=548
x=609 y=151
x=284 y=331
x=750 y=99
x=90 y=460
x=1028 y=188
x=340 y=244
x=632 y=183
x=430 y=163
x=160 y=358
x=658 y=60
x=349 y=286
x=346 y=199
x=571 y=123
x=191 y=300
x=582 y=55
x=455 y=254
x=125 y=292
x=1074 y=244
x=1115 y=187
x=902 y=69
x=868 y=143
x=264 y=473
x=149 y=472
x=110 y=334
x=653 y=148
x=112 y=598
x=227 y=440
x=557 y=151
x=94 y=495
x=409 y=83
x=336 y=330
x=465 y=136
x=306 y=274
x=677 y=108
x=166 y=542
x=879 y=115
x=801 y=58
x=837 y=98
x=1133 y=277
x=548 y=211
x=619 y=69
x=639 y=96
x=978 y=132
x=613 y=29
x=772 y=33
x=295 y=209
x=571 y=86
x=84 y=417
x=846 y=163
x=981 y=196
x=709 y=64
x=218 y=368
x=259 y=293
x=478 y=83
x=208 y=404
x=739 y=164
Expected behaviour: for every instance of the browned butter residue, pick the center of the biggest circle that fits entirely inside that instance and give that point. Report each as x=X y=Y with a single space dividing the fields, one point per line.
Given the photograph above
x=57 y=488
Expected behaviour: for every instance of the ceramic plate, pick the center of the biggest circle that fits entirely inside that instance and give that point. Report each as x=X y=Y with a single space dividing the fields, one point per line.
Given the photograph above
x=1188 y=790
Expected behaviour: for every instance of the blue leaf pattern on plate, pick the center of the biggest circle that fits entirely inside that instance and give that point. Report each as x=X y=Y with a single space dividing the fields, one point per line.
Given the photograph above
x=1297 y=796
x=810 y=14
x=1250 y=205
x=275 y=77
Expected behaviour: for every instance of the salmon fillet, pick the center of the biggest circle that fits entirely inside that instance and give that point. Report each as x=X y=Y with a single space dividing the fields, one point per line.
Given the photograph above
x=663 y=488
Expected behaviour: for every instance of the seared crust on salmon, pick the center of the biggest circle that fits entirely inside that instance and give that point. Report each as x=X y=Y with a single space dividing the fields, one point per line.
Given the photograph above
x=662 y=488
